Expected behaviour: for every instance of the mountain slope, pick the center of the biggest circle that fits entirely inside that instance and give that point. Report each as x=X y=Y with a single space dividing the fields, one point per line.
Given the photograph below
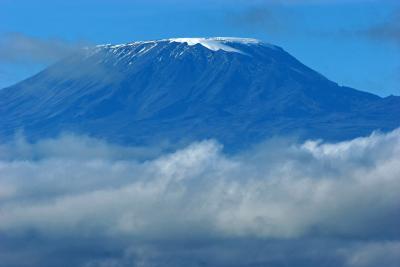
x=239 y=91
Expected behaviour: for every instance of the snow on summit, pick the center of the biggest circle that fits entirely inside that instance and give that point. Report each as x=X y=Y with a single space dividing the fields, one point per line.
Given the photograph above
x=216 y=43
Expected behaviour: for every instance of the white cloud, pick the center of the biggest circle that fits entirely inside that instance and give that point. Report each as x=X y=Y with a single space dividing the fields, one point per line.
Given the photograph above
x=21 y=48
x=320 y=187
x=76 y=186
x=375 y=254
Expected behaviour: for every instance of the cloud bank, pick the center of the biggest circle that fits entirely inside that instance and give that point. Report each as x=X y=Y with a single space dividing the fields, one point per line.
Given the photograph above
x=77 y=201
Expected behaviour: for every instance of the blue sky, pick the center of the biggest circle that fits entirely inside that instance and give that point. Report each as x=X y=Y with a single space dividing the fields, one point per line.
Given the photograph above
x=355 y=43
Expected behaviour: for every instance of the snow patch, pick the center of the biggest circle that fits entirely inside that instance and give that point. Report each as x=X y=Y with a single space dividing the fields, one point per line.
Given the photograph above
x=236 y=40
x=215 y=44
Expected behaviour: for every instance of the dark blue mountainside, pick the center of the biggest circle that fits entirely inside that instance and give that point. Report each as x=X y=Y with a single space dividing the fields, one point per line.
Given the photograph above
x=238 y=91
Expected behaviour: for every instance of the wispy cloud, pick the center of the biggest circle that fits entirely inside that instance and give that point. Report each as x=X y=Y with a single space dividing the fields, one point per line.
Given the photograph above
x=384 y=30
x=374 y=254
x=280 y=203
x=22 y=48
x=255 y=15
x=260 y=17
x=389 y=30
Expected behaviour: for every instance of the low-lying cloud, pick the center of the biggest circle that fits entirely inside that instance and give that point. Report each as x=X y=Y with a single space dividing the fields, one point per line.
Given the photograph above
x=77 y=201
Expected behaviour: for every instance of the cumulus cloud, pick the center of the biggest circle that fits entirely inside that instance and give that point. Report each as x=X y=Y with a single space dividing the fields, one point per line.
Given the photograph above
x=280 y=203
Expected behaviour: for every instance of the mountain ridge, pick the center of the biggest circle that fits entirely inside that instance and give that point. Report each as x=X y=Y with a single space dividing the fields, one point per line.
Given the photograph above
x=236 y=91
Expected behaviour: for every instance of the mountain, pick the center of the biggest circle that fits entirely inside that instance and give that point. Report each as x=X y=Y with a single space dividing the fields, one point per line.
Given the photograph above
x=238 y=91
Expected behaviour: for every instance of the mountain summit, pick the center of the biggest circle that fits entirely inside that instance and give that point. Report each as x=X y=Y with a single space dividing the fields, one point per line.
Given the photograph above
x=236 y=90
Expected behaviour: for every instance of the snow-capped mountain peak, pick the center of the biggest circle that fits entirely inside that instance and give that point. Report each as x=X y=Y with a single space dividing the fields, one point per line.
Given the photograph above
x=238 y=91
x=216 y=43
